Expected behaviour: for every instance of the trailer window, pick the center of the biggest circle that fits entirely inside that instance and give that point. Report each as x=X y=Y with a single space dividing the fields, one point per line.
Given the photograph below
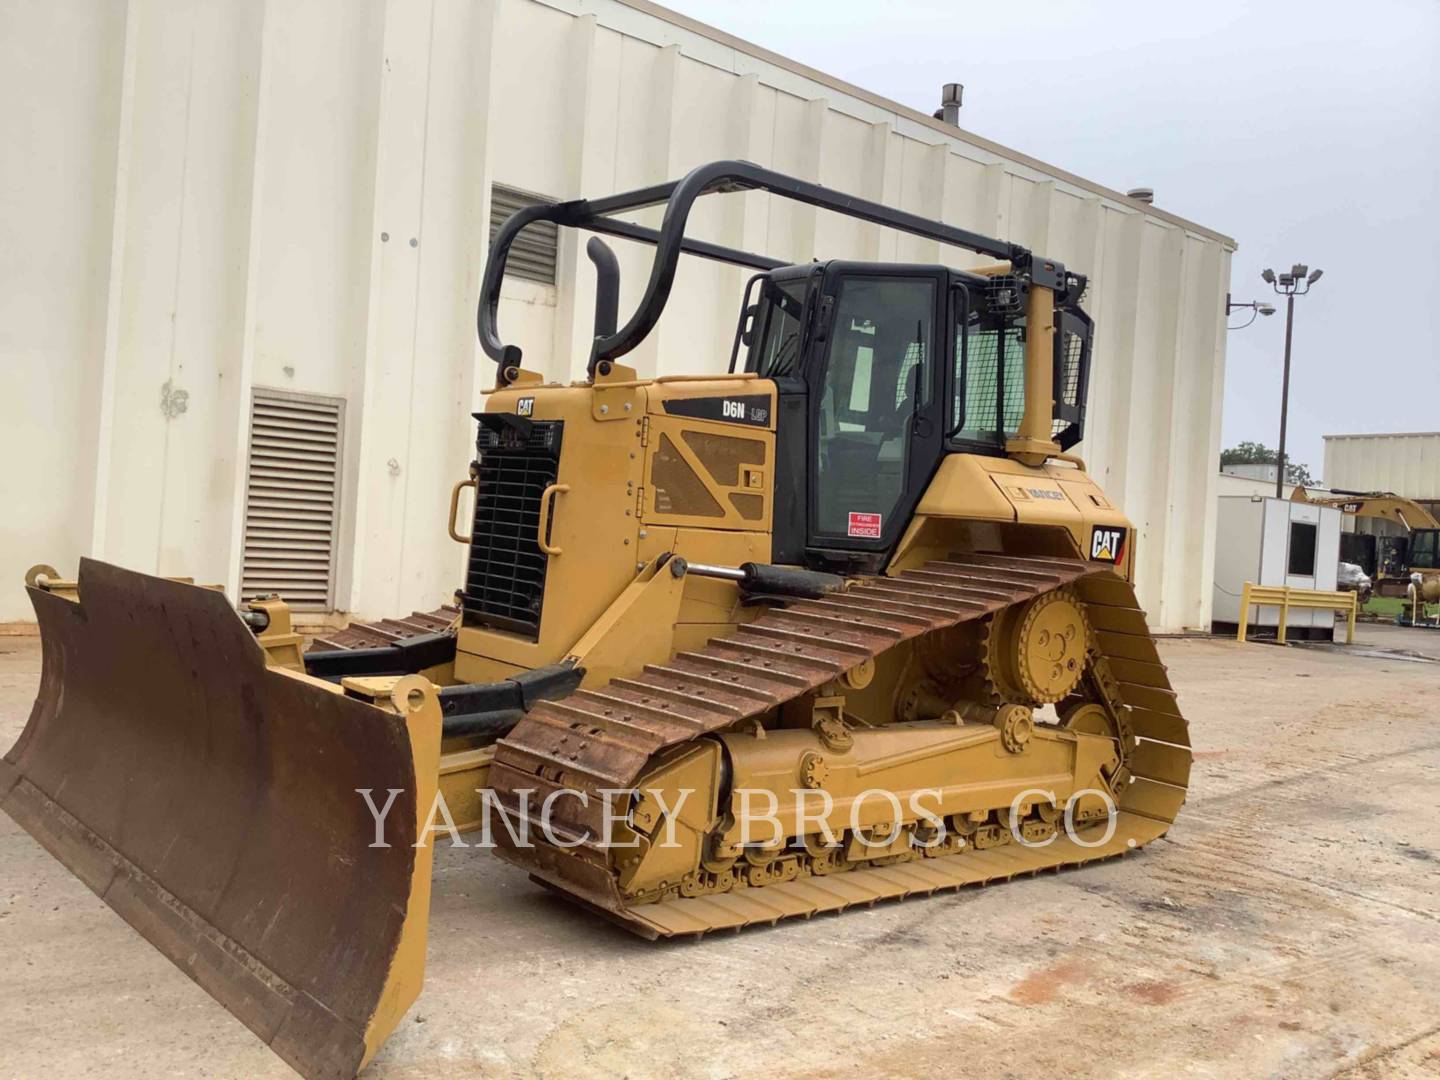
x=1302 y=548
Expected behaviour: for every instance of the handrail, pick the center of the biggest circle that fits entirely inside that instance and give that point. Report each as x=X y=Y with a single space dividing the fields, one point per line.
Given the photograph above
x=670 y=242
x=542 y=526
x=1286 y=597
x=455 y=505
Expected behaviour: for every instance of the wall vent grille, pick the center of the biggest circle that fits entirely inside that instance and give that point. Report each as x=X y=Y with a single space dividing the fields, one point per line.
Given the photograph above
x=292 y=499
x=533 y=254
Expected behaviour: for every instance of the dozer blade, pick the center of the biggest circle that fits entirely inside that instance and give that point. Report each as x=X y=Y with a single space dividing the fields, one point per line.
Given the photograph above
x=212 y=802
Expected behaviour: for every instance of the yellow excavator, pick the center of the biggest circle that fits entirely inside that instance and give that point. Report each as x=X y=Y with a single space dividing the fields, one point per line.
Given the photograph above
x=1406 y=565
x=844 y=624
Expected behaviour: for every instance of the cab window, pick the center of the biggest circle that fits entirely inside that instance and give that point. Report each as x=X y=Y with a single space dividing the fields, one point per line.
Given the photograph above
x=777 y=352
x=989 y=380
x=1423 y=553
x=877 y=374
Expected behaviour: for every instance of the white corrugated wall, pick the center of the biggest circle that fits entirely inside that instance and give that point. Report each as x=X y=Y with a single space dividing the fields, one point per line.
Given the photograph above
x=224 y=195
x=1406 y=463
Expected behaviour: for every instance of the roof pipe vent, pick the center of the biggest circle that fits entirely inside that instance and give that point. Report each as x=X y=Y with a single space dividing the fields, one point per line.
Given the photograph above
x=1142 y=194
x=951 y=95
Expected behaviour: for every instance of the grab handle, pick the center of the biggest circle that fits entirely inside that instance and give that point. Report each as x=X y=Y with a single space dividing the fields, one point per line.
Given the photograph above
x=543 y=525
x=454 y=508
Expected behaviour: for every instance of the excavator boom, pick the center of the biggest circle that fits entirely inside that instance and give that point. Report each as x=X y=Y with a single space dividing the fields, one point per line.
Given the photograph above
x=1385 y=505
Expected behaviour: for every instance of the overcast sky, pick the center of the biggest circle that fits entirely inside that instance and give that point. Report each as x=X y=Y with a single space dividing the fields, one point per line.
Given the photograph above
x=1308 y=131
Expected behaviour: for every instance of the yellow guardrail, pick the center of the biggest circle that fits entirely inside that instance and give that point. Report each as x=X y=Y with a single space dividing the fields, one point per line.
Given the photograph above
x=1285 y=598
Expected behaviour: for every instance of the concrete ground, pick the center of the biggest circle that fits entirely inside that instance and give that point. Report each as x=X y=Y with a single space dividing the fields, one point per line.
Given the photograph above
x=1288 y=926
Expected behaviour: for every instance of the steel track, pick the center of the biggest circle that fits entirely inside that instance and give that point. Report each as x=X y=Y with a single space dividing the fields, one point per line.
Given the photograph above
x=603 y=740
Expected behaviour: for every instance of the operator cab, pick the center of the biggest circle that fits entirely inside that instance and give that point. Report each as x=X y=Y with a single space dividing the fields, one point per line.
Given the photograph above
x=1425 y=549
x=881 y=369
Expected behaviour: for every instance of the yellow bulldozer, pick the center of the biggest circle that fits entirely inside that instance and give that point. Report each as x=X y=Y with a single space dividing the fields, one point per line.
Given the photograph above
x=846 y=623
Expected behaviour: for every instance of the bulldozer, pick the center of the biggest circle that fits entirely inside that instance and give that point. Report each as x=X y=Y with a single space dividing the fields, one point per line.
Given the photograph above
x=848 y=622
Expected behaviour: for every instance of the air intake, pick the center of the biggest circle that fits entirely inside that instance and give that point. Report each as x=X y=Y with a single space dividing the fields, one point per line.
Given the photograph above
x=505 y=581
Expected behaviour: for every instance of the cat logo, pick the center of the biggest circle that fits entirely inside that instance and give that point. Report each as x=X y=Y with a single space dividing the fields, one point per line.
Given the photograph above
x=525 y=407
x=1107 y=543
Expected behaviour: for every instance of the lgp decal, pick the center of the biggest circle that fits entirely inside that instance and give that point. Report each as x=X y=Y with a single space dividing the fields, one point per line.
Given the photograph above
x=864 y=526
x=525 y=407
x=1107 y=543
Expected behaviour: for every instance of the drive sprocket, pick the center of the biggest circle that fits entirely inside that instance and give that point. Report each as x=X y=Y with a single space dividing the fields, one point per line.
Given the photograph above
x=1034 y=653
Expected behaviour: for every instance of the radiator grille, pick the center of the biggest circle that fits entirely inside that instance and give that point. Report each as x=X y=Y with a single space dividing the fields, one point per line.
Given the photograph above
x=505 y=580
x=292 y=499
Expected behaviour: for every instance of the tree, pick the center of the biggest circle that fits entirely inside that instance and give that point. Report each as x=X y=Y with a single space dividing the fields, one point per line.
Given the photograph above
x=1254 y=453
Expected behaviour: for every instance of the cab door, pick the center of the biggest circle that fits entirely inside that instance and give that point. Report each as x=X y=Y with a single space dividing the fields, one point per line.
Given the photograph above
x=875 y=409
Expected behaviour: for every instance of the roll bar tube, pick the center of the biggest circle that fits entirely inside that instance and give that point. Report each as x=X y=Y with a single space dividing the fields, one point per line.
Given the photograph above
x=670 y=242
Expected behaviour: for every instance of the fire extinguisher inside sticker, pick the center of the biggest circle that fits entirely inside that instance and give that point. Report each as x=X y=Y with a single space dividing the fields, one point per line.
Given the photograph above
x=864 y=526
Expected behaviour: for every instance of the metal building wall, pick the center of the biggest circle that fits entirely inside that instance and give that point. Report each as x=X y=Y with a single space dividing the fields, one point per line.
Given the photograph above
x=1406 y=463
x=220 y=195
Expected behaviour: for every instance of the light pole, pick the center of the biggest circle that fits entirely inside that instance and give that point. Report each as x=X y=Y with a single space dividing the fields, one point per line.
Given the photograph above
x=1255 y=307
x=1289 y=285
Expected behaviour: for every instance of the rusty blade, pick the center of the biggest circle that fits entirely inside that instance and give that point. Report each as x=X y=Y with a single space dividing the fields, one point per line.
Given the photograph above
x=212 y=803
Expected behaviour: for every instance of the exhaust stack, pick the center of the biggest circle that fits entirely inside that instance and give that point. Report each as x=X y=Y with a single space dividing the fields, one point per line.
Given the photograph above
x=1033 y=443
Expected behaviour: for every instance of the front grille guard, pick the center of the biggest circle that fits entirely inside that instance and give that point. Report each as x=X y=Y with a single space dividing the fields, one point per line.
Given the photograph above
x=505 y=576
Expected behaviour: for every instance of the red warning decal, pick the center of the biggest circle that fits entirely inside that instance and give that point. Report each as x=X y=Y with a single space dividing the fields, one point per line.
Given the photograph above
x=864 y=526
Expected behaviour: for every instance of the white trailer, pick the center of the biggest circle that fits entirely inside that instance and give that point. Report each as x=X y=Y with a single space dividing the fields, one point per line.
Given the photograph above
x=1269 y=541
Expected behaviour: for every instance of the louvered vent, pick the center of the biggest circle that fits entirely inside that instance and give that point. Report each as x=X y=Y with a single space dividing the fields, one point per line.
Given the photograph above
x=532 y=255
x=292 y=499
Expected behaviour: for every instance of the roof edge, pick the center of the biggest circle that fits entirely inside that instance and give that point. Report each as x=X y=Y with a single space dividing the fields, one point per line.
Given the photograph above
x=1387 y=435
x=728 y=40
